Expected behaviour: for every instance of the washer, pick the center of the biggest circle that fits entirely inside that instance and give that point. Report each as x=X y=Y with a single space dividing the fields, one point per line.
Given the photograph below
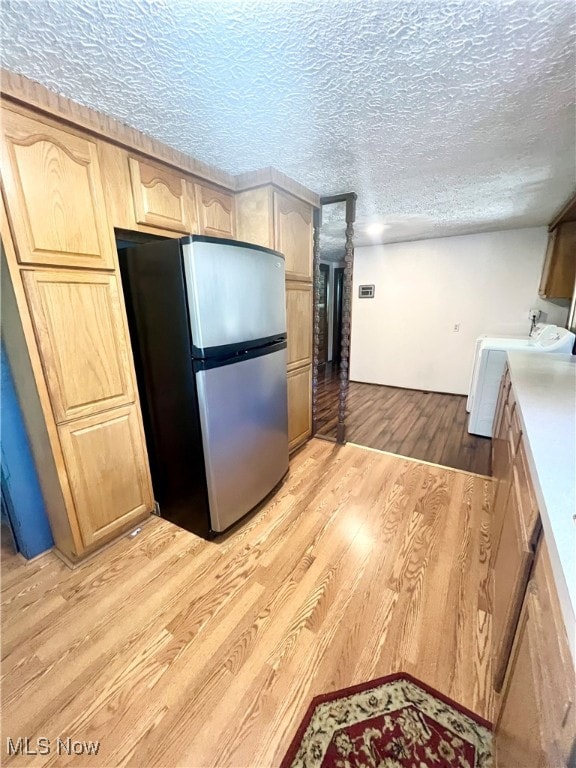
x=489 y=364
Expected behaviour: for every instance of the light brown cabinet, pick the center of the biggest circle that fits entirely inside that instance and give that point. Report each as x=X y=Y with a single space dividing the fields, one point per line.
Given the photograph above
x=525 y=492
x=299 y=406
x=108 y=472
x=54 y=195
x=299 y=323
x=293 y=231
x=511 y=570
x=68 y=182
x=502 y=459
x=518 y=739
x=515 y=525
x=275 y=219
x=216 y=212
x=536 y=722
x=73 y=323
x=82 y=339
x=559 y=271
x=255 y=216
x=554 y=667
x=160 y=197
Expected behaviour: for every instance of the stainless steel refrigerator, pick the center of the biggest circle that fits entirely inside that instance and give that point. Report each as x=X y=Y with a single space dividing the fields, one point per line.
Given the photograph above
x=207 y=323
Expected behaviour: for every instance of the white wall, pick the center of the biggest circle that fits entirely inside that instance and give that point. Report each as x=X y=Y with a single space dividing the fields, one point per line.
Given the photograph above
x=486 y=282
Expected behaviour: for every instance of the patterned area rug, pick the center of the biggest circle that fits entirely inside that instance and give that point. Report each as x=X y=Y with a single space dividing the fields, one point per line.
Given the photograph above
x=393 y=722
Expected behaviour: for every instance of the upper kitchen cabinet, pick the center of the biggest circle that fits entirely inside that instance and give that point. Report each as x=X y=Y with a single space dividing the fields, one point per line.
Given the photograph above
x=293 y=231
x=216 y=212
x=54 y=195
x=80 y=331
x=160 y=197
x=275 y=219
x=559 y=271
x=254 y=216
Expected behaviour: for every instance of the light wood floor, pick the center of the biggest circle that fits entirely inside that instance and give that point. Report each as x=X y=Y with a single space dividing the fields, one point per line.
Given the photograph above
x=173 y=651
x=429 y=426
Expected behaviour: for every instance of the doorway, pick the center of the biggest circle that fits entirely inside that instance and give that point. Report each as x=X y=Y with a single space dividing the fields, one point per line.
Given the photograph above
x=337 y=315
x=323 y=311
x=333 y=257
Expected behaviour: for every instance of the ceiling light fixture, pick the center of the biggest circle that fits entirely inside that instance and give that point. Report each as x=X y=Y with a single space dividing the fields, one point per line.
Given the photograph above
x=376 y=228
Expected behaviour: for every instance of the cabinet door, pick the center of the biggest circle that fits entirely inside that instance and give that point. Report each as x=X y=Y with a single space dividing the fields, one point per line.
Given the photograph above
x=216 y=212
x=500 y=405
x=502 y=472
x=525 y=493
x=299 y=406
x=254 y=219
x=159 y=195
x=518 y=738
x=54 y=195
x=299 y=323
x=108 y=472
x=555 y=667
x=559 y=269
x=293 y=235
x=511 y=570
x=80 y=331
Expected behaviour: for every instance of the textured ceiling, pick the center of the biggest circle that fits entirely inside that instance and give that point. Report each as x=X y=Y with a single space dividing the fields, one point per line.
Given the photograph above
x=445 y=117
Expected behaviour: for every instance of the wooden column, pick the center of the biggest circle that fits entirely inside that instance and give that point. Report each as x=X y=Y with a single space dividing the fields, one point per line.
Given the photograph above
x=350 y=200
x=346 y=317
x=316 y=315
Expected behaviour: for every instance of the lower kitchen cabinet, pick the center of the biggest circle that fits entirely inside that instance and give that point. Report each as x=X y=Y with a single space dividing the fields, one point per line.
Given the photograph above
x=536 y=724
x=299 y=406
x=511 y=569
x=533 y=669
x=518 y=739
x=515 y=524
x=501 y=460
x=108 y=472
x=555 y=670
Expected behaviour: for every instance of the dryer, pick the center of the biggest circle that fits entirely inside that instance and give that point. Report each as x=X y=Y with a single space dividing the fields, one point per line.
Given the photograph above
x=489 y=364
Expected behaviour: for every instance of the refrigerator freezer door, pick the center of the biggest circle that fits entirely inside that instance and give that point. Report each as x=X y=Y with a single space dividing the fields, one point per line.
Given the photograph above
x=243 y=413
x=235 y=293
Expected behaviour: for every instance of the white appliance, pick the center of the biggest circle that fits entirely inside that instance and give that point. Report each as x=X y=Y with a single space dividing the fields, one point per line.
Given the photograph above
x=489 y=364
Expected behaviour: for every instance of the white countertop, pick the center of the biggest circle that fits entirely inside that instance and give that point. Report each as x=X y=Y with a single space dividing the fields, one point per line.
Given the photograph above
x=544 y=386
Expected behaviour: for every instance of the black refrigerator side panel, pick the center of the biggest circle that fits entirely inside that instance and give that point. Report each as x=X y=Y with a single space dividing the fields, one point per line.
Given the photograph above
x=156 y=304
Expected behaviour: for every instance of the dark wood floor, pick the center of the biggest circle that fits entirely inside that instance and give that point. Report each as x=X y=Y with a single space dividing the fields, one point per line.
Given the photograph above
x=421 y=425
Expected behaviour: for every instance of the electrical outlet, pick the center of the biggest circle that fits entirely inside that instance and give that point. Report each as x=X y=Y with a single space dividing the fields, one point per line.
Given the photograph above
x=456 y=327
x=534 y=314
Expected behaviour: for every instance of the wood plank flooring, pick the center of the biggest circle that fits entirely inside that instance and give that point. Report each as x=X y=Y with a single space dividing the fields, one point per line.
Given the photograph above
x=174 y=651
x=422 y=425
